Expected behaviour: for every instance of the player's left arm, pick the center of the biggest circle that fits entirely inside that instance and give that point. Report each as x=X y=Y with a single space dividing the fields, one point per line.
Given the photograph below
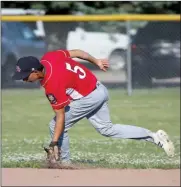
x=56 y=94
x=53 y=151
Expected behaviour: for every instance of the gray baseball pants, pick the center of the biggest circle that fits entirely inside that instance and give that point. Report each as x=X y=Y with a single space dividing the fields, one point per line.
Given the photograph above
x=94 y=107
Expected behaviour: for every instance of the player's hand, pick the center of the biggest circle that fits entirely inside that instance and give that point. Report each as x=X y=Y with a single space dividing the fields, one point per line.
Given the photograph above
x=103 y=64
x=53 y=152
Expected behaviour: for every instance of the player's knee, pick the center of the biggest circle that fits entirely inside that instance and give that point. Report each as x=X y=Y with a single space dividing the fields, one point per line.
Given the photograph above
x=106 y=131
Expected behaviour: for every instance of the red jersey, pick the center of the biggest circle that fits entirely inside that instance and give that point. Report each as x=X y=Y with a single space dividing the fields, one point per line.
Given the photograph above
x=65 y=79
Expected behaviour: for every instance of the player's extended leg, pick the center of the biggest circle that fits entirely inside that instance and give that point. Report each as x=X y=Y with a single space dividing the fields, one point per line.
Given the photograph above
x=100 y=119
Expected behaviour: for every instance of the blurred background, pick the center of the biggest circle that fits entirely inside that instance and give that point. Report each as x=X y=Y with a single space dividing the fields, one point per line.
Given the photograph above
x=150 y=49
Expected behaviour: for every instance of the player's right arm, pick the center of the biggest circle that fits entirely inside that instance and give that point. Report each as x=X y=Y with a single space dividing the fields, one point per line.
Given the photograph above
x=77 y=53
x=101 y=63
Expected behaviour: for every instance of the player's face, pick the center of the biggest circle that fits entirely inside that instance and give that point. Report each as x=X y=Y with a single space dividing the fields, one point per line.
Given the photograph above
x=34 y=76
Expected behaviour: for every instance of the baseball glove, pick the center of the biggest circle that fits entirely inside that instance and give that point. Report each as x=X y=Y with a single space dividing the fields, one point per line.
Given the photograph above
x=53 y=158
x=53 y=153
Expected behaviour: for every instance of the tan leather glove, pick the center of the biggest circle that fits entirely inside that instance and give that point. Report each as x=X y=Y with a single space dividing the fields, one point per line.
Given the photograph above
x=53 y=152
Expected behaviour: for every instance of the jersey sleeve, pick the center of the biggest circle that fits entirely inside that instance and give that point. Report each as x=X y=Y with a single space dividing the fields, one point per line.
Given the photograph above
x=56 y=56
x=57 y=97
x=64 y=53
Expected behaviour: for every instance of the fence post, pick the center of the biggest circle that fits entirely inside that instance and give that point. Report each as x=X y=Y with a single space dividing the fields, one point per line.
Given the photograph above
x=129 y=68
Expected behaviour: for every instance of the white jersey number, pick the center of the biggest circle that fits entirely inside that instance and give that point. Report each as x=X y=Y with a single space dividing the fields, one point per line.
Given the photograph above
x=75 y=70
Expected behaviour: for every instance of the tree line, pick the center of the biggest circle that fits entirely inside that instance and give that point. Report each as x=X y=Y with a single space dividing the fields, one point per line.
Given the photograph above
x=98 y=7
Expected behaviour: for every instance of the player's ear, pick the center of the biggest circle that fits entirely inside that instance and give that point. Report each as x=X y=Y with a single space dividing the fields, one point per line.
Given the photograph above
x=36 y=72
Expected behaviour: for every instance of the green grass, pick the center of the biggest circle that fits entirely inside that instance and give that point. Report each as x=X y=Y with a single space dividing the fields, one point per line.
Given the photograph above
x=26 y=114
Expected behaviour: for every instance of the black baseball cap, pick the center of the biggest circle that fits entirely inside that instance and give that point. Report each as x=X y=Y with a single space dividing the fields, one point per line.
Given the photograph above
x=25 y=66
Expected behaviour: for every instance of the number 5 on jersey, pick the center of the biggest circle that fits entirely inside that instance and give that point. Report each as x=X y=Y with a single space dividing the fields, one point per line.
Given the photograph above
x=75 y=70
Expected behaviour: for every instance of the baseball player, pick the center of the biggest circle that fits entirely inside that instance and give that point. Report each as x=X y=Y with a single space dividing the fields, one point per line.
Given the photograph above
x=75 y=93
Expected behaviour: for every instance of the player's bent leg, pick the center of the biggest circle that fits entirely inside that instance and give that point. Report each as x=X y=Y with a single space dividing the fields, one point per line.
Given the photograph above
x=63 y=142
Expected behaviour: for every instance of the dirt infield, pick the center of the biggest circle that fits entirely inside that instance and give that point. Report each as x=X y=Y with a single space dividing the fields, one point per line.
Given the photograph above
x=91 y=177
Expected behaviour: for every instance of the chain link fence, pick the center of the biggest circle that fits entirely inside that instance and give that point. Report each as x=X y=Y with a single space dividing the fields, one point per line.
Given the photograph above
x=142 y=54
x=155 y=54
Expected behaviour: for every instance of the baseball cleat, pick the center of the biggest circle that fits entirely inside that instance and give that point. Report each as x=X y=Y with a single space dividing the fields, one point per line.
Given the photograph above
x=162 y=139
